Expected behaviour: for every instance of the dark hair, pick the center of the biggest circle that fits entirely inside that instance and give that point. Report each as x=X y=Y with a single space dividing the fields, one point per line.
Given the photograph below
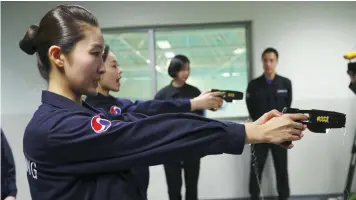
x=61 y=26
x=106 y=52
x=270 y=50
x=177 y=64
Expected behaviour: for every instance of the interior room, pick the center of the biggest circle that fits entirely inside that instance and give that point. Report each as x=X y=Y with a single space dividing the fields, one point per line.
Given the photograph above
x=224 y=42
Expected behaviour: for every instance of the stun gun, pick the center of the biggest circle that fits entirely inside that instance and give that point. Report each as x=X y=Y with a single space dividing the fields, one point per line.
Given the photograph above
x=320 y=120
x=230 y=95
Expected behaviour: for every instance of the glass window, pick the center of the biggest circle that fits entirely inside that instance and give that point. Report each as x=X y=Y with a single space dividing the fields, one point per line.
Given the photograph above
x=131 y=50
x=218 y=59
x=218 y=55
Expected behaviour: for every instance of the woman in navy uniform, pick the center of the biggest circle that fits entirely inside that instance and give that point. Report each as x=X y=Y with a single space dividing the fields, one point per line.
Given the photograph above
x=179 y=70
x=74 y=151
x=110 y=81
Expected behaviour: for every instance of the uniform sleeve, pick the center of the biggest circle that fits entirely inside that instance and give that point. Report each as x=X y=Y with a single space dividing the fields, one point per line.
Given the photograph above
x=290 y=93
x=199 y=112
x=155 y=107
x=11 y=172
x=78 y=145
x=250 y=101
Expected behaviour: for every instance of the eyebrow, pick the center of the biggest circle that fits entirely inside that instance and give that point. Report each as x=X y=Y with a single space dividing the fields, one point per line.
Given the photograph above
x=97 y=46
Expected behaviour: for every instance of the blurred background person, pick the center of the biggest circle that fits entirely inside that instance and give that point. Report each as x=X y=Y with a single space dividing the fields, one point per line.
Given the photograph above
x=267 y=92
x=8 y=172
x=179 y=70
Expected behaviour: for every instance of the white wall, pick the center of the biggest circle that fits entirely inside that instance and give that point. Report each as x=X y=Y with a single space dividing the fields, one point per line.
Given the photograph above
x=311 y=38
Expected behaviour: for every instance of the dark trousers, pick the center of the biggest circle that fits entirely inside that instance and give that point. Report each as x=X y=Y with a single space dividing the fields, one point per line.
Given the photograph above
x=143 y=177
x=174 y=179
x=280 y=161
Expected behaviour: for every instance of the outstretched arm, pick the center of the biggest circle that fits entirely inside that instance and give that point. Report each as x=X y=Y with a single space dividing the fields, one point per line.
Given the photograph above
x=207 y=100
x=84 y=144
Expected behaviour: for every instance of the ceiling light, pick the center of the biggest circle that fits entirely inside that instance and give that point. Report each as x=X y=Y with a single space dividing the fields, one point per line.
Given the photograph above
x=235 y=74
x=226 y=74
x=163 y=44
x=158 y=68
x=239 y=51
x=148 y=61
x=169 y=54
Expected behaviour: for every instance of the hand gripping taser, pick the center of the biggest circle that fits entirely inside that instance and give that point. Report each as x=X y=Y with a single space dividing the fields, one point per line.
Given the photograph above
x=319 y=120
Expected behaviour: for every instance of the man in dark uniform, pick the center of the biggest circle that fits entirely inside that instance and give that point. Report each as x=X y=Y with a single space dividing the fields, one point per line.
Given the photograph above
x=267 y=92
x=8 y=175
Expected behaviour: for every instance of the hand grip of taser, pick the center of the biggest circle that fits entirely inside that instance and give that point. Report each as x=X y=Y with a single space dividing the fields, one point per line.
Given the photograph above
x=286 y=143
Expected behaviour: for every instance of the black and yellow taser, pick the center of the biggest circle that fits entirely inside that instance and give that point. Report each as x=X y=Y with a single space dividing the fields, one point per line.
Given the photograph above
x=230 y=95
x=320 y=120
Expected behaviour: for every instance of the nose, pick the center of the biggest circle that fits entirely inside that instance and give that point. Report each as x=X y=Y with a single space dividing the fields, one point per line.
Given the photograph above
x=102 y=68
x=119 y=70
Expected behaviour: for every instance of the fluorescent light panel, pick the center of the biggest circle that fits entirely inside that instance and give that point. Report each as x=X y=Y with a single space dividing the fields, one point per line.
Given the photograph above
x=163 y=44
x=169 y=54
x=239 y=51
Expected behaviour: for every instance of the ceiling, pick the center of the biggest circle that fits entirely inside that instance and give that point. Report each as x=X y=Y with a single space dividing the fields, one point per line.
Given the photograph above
x=207 y=49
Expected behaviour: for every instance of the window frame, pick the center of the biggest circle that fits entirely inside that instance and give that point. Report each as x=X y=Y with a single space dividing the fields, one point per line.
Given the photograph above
x=150 y=30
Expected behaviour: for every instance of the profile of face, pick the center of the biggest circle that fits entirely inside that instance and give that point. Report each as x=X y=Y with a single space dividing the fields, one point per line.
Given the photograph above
x=270 y=61
x=83 y=66
x=183 y=74
x=110 y=80
x=73 y=64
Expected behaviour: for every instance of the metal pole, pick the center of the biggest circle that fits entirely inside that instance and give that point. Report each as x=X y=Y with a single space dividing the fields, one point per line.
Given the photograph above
x=152 y=58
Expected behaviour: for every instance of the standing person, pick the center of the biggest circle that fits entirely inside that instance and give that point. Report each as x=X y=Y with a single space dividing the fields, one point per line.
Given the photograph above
x=179 y=70
x=74 y=151
x=110 y=81
x=351 y=71
x=269 y=91
x=8 y=171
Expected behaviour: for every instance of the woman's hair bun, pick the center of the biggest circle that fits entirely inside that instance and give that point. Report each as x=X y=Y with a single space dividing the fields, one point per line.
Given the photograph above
x=28 y=44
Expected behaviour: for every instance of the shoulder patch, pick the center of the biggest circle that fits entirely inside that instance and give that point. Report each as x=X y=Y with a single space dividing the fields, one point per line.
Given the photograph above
x=115 y=110
x=99 y=125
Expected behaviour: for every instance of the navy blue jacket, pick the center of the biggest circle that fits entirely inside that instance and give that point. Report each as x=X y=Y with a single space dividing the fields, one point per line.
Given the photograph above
x=262 y=97
x=118 y=106
x=8 y=171
x=151 y=107
x=75 y=151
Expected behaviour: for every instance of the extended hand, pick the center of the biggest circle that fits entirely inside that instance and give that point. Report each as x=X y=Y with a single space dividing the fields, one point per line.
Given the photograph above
x=284 y=128
x=207 y=100
x=275 y=127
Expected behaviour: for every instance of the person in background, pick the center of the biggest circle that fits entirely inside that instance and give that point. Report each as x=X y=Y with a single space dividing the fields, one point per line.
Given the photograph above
x=269 y=91
x=179 y=70
x=8 y=171
x=352 y=73
x=110 y=81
